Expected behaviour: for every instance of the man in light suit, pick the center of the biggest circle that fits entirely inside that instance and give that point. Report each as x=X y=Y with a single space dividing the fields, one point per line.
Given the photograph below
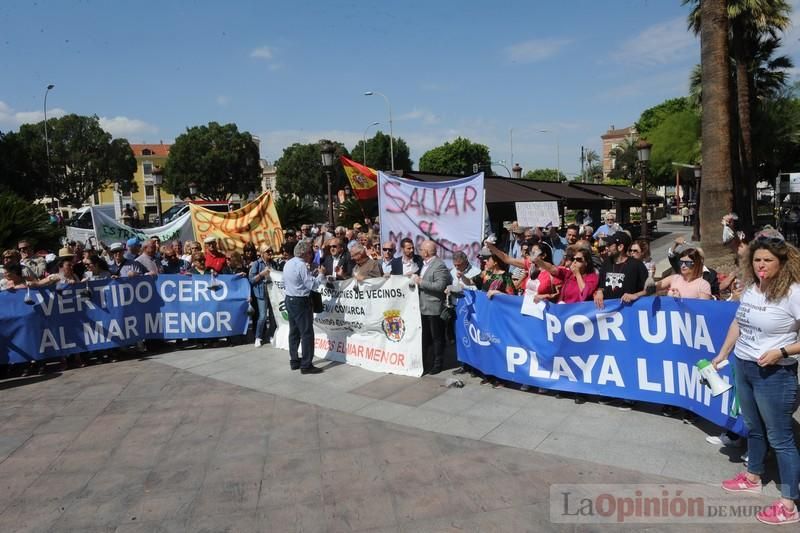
x=432 y=280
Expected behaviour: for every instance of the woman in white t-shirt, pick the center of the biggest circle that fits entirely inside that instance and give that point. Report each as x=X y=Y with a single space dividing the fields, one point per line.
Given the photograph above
x=764 y=335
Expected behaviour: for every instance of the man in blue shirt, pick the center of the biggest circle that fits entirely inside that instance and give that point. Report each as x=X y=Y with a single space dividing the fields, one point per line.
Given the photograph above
x=298 y=283
x=609 y=228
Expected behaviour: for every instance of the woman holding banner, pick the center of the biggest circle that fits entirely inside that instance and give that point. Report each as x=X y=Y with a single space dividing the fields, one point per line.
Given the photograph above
x=764 y=336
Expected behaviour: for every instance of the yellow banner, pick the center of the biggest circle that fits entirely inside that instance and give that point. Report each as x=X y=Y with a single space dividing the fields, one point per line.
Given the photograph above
x=256 y=222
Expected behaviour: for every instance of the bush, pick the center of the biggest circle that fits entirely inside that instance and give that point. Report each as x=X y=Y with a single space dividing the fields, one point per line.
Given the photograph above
x=23 y=220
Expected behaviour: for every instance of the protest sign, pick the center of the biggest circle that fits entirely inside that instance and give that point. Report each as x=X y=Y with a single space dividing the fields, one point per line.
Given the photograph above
x=256 y=222
x=117 y=313
x=643 y=351
x=447 y=212
x=537 y=214
x=108 y=231
x=374 y=324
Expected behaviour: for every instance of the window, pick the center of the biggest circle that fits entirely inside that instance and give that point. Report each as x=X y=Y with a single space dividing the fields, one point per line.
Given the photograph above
x=147 y=168
x=149 y=193
x=147 y=151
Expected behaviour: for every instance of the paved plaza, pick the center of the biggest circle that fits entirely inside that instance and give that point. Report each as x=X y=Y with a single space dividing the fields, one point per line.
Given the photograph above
x=230 y=439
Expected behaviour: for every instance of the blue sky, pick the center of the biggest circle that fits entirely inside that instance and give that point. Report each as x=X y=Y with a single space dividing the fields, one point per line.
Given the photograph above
x=296 y=71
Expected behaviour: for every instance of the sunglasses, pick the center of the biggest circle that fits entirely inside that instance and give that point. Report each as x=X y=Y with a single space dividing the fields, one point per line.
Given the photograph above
x=771 y=239
x=578 y=259
x=334 y=246
x=686 y=263
x=388 y=249
x=634 y=251
x=21 y=248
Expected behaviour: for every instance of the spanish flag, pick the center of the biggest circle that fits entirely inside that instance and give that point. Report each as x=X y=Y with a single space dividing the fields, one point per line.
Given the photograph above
x=363 y=180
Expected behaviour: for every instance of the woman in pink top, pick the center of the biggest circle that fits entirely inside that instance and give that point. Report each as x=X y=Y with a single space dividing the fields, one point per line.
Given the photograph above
x=689 y=283
x=579 y=280
x=541 y=282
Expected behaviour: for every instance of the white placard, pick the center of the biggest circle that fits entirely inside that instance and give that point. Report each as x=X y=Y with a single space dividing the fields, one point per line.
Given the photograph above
x=538 y=214
x=794 y=182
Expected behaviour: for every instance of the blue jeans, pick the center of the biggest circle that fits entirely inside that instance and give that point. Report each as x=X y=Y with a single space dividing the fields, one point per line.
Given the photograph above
x=301 y=330
x=768 y=397
x=263 y=317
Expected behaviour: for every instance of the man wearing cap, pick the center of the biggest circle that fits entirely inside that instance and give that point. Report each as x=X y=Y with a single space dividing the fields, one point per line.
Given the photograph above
x=134 y=248
x=621 y=276
x=260 y=281
x=215 y=259
x=28 y=259
x=432 y=281
x=120 y=266
x=298 y=283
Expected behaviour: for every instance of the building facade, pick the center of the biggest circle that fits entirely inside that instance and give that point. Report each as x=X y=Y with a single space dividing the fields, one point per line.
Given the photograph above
x=148 y=158
x=612 y=139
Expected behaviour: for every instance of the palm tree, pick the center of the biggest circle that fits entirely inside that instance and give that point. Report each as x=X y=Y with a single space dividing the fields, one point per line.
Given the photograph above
x=716 y=190
x=749 y=21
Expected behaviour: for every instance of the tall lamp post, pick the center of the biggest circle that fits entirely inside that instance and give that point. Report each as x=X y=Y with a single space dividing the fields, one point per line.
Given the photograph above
x=158 y=180
x=698 y=171
x=365 y=140
x=391 y=132
x=46 y=141
x=643 y=151
x=327 y=151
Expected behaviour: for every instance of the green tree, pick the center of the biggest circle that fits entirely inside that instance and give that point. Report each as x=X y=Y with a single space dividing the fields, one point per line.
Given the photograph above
x=379 y=154
x=675 y=139
x=294 y=212
x=455 y=157
x=23 y=220
x=17 y=174
x=625 y=158
x=219 y=159
x=83 y=158
x=545 y=174
x=651 y=118
x=300 y=172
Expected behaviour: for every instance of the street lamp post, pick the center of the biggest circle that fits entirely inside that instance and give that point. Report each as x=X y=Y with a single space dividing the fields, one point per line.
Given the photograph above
x=365 y=140
x=327 y=151
x=46 y=141
x=558 y=152
x=391 y=131
x=158 y=180
x=643 y=151
x=192 y=189
x=698 y=171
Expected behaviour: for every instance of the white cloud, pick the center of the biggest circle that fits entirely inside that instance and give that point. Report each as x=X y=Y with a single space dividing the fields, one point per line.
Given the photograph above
x=661 y=44
x=534 y=50
x=263 y=52
x=427 y=117
x=9 y=118
x=131 y=128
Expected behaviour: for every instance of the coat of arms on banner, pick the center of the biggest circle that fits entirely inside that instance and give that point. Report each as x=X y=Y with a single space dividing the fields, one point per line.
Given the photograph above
x=393 y=325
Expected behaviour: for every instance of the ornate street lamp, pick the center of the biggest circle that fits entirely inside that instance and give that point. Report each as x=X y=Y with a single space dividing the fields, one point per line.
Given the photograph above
x=47 y=142
x=643 y=151
x=158 y=180
x=327 y=150
x=698 y=171
x=192 y=189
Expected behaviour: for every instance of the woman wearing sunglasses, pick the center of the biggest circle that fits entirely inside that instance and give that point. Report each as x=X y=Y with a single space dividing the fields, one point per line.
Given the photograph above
x=764 y=338
x=577 y=275
x=689 y=283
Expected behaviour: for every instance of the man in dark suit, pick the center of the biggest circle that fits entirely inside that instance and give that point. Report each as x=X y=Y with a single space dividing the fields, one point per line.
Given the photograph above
x=337 y=262
x=432 y=280
x=409 y=263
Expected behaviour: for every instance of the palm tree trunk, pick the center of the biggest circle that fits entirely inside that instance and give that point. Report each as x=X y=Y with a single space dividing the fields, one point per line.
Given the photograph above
x=741 y=56
x=716 y=187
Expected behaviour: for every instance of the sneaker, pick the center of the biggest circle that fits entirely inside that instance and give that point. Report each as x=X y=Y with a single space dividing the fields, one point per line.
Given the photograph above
x=744 y=458
x=257 y=343
x=776 y=514
x=724 y=440
x=740 y=483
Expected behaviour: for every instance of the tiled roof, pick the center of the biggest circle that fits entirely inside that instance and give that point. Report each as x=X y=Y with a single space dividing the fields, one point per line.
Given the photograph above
x=155 y=149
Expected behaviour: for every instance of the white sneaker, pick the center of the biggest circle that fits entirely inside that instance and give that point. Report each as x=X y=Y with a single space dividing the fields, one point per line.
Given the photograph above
x=713 y=439
x=724 y=440
x=258 y=343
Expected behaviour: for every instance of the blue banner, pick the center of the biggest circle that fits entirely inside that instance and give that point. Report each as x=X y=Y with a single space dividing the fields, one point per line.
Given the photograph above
x=642 y=351
x=104 y=314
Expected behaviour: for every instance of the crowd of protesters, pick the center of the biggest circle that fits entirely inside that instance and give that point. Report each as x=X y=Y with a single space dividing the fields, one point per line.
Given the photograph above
x=583 y=264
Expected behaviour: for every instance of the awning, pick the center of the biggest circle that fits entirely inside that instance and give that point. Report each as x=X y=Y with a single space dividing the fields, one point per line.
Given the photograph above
x=619 y=193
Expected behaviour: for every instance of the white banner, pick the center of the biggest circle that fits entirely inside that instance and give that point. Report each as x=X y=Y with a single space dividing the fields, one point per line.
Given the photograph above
x=374 y=324
x=537 y=214
x=110 y=231
x=447 y=212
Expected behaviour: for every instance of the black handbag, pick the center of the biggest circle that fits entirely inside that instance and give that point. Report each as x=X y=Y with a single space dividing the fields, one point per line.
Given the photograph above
x=316 y=302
